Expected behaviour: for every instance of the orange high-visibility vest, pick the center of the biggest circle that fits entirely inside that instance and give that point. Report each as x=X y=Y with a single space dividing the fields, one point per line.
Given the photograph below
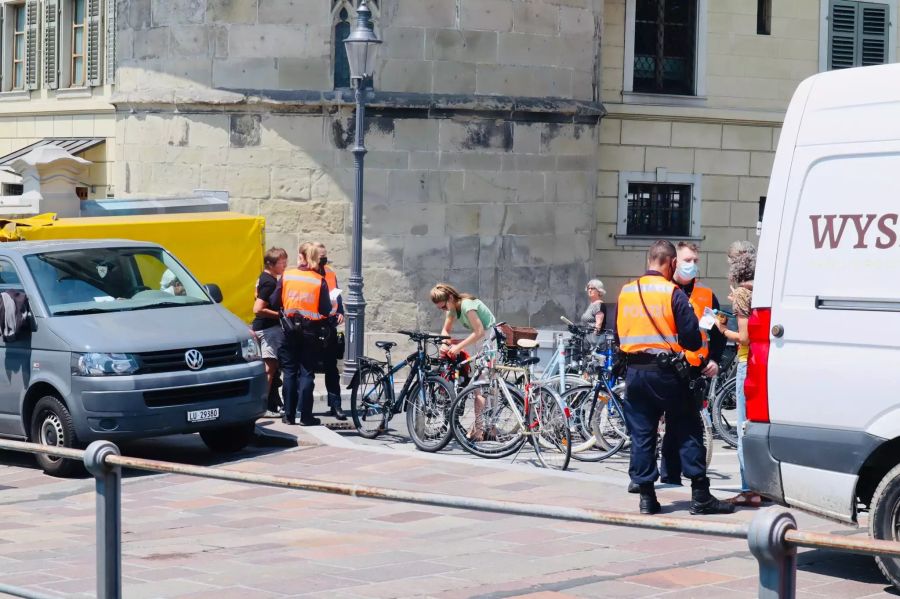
x=636 y=331
x=300 y=291
x=701 y=297
x=331 y=279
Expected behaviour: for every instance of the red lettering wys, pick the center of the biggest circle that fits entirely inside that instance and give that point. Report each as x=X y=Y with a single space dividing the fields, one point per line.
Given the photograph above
x=833 y=238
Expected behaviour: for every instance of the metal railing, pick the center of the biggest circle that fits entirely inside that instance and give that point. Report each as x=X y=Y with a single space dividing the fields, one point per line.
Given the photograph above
x=772 y=535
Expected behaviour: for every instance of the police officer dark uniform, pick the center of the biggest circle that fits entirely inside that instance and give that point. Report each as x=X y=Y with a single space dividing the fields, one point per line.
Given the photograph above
x=335 y=317
x=705 y=361
x=656 y=324
x=306 y=305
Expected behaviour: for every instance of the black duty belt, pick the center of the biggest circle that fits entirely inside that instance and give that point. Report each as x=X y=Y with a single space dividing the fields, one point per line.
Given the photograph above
x=642 y=360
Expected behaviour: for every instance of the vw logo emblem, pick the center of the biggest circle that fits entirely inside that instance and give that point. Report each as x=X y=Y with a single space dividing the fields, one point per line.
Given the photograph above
x=193 y=359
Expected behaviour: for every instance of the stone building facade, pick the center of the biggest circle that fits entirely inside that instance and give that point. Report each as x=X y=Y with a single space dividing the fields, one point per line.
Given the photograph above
x=718 y=134
x=517 y=148
x=482 y=137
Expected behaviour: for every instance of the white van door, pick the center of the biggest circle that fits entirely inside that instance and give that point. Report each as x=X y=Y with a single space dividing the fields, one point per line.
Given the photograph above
x=836 y=297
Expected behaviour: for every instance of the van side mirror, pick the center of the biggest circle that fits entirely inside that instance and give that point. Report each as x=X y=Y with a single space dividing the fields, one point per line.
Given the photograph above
x=214 y=292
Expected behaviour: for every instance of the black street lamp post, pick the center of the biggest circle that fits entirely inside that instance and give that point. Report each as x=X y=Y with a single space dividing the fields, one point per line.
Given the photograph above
x=362 y=45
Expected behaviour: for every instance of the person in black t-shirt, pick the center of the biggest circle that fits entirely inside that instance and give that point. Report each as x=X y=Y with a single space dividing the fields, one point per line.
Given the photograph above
x=267 y=325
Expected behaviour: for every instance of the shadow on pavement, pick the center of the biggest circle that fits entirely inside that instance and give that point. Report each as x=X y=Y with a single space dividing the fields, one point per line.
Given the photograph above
x=846 y=566
x=184 y=449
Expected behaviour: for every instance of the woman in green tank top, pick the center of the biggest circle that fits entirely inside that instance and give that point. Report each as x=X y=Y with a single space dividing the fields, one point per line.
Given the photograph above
x=468 y=310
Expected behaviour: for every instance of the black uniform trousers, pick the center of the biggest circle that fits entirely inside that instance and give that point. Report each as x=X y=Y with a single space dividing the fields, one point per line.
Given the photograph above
x=651 y=392
x=298 y=374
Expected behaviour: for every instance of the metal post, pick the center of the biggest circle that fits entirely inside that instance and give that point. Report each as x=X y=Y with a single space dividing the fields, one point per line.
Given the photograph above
x=777 y=560
x=109 y=518
x=355 y=304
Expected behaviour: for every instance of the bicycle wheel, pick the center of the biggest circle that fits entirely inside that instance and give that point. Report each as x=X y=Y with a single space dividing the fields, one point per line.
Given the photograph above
x=579 y=401
x=724 y=412
x=368 y=402
x=553 y=440
x=484 y=423
x=428 y=418
x=606 y=439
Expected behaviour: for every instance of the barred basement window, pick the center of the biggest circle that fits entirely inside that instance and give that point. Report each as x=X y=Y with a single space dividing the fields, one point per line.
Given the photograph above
x=659 y=209
x=858 y=34
x=665 y=46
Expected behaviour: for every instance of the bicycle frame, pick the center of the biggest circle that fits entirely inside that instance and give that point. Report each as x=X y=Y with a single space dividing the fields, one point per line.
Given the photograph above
x=416 y=363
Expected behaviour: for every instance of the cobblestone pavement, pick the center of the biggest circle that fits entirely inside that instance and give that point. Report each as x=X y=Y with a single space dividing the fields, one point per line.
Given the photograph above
x=189 y=537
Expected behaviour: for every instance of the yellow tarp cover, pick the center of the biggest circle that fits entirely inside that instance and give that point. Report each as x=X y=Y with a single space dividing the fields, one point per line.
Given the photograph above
x=225 y=248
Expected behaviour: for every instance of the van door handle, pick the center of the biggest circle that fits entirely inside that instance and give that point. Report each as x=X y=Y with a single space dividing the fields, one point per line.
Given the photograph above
x=777 y=331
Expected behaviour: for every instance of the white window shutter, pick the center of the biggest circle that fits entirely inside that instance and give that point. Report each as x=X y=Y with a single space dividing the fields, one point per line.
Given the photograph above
x=93 y=42
x=110 y=41
x=32 y=22
x=51 y=44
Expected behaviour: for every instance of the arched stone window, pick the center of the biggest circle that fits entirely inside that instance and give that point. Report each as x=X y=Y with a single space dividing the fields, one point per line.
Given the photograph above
x=344 y=17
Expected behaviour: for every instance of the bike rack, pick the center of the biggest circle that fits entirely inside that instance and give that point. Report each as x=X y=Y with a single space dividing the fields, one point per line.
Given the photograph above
x=772 y=535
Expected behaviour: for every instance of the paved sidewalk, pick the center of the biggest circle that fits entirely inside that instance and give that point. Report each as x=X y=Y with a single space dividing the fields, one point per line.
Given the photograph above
x=188 y=537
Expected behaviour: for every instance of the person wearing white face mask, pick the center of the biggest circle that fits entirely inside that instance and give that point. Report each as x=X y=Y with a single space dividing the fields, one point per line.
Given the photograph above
x=706 y=360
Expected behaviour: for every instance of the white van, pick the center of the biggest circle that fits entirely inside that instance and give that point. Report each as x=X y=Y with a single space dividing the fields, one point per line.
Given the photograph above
x=823 y=385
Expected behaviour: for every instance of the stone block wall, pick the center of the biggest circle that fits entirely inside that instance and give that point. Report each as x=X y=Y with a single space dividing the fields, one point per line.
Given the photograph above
x=534 y=48
x=734 y=162
x=502 y=208
x=482 y=138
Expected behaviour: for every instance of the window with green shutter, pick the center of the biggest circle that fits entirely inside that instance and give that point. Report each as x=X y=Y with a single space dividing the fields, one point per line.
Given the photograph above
x=858 y=34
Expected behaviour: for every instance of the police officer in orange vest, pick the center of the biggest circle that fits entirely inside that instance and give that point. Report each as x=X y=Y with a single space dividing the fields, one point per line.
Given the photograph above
x=706 y=360
x=305 y=303
x=335 y=317
x=656 y=325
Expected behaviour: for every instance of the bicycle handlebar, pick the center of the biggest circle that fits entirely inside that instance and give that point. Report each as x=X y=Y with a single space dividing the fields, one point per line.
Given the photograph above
x=421 y=336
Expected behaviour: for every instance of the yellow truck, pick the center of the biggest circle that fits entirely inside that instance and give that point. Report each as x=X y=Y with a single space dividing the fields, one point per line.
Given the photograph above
x=225 y=248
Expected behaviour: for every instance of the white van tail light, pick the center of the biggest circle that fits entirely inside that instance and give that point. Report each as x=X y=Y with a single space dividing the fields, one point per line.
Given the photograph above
x=756 y=388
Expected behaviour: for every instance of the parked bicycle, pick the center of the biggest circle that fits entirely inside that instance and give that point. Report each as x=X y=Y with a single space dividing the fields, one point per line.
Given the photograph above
x=493 y=417
x=426 y=396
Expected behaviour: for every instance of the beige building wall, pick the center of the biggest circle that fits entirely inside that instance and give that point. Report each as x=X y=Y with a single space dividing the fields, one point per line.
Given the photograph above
x=25 y=119
x=727 y=136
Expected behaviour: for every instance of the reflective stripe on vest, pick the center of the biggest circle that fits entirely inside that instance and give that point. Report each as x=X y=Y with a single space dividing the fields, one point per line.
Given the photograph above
x=300 y=290
x=331 y=279
x=701 y=297
x=636 y=331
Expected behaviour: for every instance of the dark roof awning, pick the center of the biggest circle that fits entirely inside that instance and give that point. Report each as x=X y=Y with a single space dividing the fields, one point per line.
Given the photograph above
x=73 y=145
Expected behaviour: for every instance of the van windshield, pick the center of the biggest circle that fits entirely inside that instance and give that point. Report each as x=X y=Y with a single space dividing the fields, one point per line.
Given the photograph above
x=94 y=280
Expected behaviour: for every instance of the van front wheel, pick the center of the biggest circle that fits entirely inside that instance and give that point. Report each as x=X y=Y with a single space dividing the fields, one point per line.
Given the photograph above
x=884 y=521
x=51 y=424
x=229 y=439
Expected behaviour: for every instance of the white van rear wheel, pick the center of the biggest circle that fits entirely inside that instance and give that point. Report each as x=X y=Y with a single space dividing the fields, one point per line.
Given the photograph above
x=884 y=521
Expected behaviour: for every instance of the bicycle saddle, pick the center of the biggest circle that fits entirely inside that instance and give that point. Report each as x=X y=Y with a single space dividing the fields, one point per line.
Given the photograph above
x=385 y=345
x=529 y=361
x=527 y=343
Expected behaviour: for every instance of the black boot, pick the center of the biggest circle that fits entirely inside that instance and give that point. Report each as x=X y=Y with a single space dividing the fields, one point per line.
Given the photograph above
x=702 y=501
x=334 y=403
x=633 y=487
x=649 y=504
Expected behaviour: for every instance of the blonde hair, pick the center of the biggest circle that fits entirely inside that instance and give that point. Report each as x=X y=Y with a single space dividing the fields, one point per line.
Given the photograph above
x=310 y=254
x=443 y=292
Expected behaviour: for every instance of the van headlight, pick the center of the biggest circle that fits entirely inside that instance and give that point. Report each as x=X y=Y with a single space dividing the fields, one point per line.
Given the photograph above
x=250 y=350
x=94 y=364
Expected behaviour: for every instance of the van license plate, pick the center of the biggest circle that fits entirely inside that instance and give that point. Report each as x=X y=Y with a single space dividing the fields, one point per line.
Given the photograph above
x=203 y=415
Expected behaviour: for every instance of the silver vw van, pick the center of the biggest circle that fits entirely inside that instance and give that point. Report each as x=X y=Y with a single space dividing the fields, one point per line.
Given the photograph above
x=122 y=342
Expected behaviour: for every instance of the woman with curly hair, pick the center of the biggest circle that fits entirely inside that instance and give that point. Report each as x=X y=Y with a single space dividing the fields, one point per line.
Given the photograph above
x=741 y=268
